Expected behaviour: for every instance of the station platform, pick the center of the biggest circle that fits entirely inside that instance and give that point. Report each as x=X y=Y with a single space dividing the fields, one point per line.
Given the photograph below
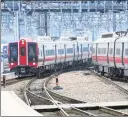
x=12 y=105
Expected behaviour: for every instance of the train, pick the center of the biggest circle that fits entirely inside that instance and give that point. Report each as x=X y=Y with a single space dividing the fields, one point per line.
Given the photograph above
x=29 y=57
x=110 y=54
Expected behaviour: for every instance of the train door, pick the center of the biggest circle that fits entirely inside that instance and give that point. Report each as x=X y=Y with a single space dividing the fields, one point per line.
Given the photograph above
x=63 y=52
x=59 y=52
x=108 y=54
x=22 y=53
x=118 y=54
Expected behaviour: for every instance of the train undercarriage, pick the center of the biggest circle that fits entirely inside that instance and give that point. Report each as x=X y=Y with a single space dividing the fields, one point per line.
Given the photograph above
x=31 y=71
x=113 y=72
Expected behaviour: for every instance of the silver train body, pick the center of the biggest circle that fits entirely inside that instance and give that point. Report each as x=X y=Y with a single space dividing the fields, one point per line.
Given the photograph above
x=63 y=52
x=110 y=54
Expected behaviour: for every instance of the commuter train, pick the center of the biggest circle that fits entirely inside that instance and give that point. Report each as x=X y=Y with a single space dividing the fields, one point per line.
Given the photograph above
x=110 y=54
x=35 y=57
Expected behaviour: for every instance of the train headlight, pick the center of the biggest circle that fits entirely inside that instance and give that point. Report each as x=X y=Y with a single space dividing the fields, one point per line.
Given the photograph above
x=22 y=41
x=11 y=63
x=34 y=63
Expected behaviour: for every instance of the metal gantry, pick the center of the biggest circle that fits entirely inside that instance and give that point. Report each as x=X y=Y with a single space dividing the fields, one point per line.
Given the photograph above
x=57 y=18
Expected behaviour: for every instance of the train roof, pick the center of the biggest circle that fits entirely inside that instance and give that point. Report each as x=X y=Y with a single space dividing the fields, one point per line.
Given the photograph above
x=123 y=39
x=44 y=38
x=64 y=38
x=27 y=39
x=23 y=38
x=110 y=37
x=74 y=39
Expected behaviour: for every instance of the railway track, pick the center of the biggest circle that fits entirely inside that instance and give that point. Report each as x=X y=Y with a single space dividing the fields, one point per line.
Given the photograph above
x=41 y=95
x=13 y=81
x=108 y=80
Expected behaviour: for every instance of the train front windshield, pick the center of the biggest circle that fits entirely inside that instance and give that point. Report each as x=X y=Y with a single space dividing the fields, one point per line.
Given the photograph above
x=32 y=52
x=13 y=47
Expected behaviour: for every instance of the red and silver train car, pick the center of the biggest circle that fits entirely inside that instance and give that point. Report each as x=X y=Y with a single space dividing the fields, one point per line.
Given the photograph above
x=46 y=54
x=110 y=54
x=63 y=52
x=22 y=55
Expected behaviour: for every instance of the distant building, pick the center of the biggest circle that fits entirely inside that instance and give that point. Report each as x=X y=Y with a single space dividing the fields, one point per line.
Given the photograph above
x=4 y=50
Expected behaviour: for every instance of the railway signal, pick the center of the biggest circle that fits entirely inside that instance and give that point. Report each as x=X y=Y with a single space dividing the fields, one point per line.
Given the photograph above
x=57 y=87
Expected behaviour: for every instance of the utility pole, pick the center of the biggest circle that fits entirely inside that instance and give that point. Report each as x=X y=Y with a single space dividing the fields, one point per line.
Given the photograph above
x=45 y=25
x=17 y=27
x=113 y=18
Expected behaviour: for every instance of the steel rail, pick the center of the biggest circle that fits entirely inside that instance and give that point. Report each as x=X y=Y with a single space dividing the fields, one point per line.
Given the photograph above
x=40 y=97
x=63 y=97
x=112 y=111
x=13 y=80
x=49 y=93
x=83 y=112
x=25 y=91
x=104 y=109
x=60 y=96
x=62 y=110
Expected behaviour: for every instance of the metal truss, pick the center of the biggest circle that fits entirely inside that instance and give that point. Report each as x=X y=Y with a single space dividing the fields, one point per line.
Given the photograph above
x=57 y=18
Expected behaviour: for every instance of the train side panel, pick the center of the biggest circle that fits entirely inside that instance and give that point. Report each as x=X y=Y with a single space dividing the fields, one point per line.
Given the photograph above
x=111 y=54
x=58 y=53
x=94 y=53
x=69 y=51
x=125 y=58
x=50 y=54
x=41 y=54
x=102 y=54
x=118 y=55
x=126 y=55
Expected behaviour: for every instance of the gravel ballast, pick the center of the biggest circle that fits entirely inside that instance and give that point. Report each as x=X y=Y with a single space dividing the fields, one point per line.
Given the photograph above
x=87 y=87
x=17 y=88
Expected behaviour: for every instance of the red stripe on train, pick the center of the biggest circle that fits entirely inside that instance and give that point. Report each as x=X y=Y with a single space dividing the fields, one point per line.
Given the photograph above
x=60 y=57
x=111 y=59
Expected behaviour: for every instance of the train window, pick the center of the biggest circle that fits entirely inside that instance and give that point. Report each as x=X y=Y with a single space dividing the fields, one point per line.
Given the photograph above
x=69 y=50
x=101 y=50
x=104 y=50
x=117 y=51
x=22 y=51
x=32 y=50
x=13 y=52
x=107 y=35
x=85 y=49
x=90 y=48
x=41 y=53
x=50 y=52
x=60 y=51
x=110 y=51
x=93 y=50
x=126 y=52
